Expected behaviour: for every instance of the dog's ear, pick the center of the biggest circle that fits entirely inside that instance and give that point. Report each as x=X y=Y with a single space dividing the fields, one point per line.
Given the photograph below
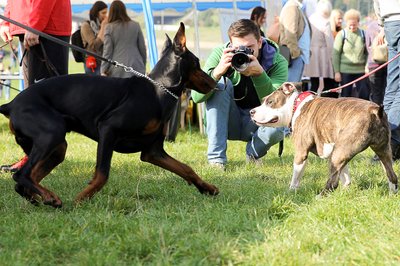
x=180 y=39
x=288 y=88
x=167 y=43
x=298 y=85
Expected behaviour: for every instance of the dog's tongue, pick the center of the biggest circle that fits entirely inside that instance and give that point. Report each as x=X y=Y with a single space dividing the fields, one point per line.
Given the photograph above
x=273 y=120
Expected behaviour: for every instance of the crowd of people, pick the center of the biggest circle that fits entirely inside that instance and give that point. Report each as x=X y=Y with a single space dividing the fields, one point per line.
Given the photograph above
x=326 y=45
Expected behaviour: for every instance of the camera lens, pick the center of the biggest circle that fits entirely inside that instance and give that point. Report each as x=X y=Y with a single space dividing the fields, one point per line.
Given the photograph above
x=240 y=61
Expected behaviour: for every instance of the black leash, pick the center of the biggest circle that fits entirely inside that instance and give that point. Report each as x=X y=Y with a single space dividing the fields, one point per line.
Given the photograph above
x=51 y=38
x=74 y=47
x=11 y=87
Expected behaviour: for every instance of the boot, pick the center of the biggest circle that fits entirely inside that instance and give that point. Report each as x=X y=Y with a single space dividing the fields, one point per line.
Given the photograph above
x=15 y=166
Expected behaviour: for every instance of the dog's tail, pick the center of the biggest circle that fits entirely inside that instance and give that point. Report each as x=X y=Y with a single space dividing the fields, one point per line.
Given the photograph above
x=5 y=109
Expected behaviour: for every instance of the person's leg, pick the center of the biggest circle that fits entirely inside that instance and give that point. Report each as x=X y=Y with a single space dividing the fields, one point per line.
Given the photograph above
x=295 y=71
x=218 y=110
x=262 y=140
x=377 y=82
x=39 y=68
x=329 y=84
x=346 y=91
x=391 y=101
x=362 y=88
x=314 y=84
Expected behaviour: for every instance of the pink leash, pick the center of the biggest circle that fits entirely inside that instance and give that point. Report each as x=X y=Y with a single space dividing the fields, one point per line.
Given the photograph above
x=362 y=77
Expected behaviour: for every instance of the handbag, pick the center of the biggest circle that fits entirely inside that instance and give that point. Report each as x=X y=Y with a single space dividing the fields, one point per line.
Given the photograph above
x=379 y=52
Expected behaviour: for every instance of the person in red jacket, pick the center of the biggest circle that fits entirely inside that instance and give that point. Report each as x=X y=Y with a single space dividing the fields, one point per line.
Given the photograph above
x=42 y=58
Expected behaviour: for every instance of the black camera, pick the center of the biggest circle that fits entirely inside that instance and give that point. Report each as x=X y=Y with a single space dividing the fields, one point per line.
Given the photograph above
x=240 y=60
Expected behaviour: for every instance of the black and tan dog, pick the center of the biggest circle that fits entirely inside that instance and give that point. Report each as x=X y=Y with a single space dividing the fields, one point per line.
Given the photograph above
x=122 y=115
x=336 y=129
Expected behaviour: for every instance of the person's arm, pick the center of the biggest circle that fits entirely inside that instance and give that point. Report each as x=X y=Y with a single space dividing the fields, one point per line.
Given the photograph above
x=39 y=17
x=336 y=55
x=211 y=64
x=289 y=21
x=277 y=74
x=377 y=10
x=142 y=46
x=5 y=25
x=93 y=43
x=108 y=50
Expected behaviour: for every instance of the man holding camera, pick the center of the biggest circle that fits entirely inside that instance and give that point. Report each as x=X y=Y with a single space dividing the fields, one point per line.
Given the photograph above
x=248 y=68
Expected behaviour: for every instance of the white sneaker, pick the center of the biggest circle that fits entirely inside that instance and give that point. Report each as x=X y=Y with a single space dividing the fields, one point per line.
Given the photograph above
x=217 y=165
x=251 y=159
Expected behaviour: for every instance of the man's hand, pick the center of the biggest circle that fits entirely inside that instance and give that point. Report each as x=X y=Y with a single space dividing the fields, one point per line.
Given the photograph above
x=5 y=33
x=224 y=63
x=30 y=39
x=254 y=68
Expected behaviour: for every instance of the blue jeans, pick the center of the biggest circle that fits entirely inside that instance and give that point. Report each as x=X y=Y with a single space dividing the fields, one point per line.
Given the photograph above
x=226 y=121
x=295 y=71
x=391 y=101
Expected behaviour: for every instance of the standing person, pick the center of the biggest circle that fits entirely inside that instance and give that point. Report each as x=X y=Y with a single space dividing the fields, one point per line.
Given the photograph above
x=336 y=21
x=377 y=80
x=259 y=16
x=350 y=56
x=123 y=42
x=92 y=33
x=48 y=16
x=320 y=65
x=240 y=89
x=295 y=33
x=388 y=13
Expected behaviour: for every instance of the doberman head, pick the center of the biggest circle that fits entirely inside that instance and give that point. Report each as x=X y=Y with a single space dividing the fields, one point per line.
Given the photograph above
x=179 y=68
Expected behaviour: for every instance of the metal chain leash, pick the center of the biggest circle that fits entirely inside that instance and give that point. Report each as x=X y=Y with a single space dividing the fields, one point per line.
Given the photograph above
x=131 y=70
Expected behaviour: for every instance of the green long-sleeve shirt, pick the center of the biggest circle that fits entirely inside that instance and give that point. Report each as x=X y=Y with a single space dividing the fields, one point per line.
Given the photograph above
x=349 y=56
x=264 y=84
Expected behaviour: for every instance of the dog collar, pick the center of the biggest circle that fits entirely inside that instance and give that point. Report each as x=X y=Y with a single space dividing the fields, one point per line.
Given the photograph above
x=301 y=98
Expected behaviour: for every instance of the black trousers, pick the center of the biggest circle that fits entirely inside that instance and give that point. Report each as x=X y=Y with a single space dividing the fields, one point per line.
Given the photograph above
x=377 y=84
x=328 y=84
x=361 y=90
x=38 y=65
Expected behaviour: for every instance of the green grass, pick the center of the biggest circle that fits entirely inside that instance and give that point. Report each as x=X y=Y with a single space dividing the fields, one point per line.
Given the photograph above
x=148 y=216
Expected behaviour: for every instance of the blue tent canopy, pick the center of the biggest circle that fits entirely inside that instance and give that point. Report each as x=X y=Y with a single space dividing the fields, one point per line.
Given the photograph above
x=147 y=7
x=179 y=6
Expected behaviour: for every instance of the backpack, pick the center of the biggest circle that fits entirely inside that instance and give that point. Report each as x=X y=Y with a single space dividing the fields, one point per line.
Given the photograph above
x=362 y=36
x=76 y=39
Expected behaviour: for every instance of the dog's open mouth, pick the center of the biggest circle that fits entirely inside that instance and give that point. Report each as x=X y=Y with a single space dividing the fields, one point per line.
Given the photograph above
x=273 y=120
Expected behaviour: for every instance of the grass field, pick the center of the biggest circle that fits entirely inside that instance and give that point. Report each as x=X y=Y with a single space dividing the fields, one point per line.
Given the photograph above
x=148 y=216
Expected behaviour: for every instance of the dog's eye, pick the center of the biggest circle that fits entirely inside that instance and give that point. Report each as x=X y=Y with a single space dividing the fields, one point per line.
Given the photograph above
x=270 y=102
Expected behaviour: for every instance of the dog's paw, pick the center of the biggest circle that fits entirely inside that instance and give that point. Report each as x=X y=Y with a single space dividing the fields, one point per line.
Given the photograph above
x=394 y=188
x=210 y=189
